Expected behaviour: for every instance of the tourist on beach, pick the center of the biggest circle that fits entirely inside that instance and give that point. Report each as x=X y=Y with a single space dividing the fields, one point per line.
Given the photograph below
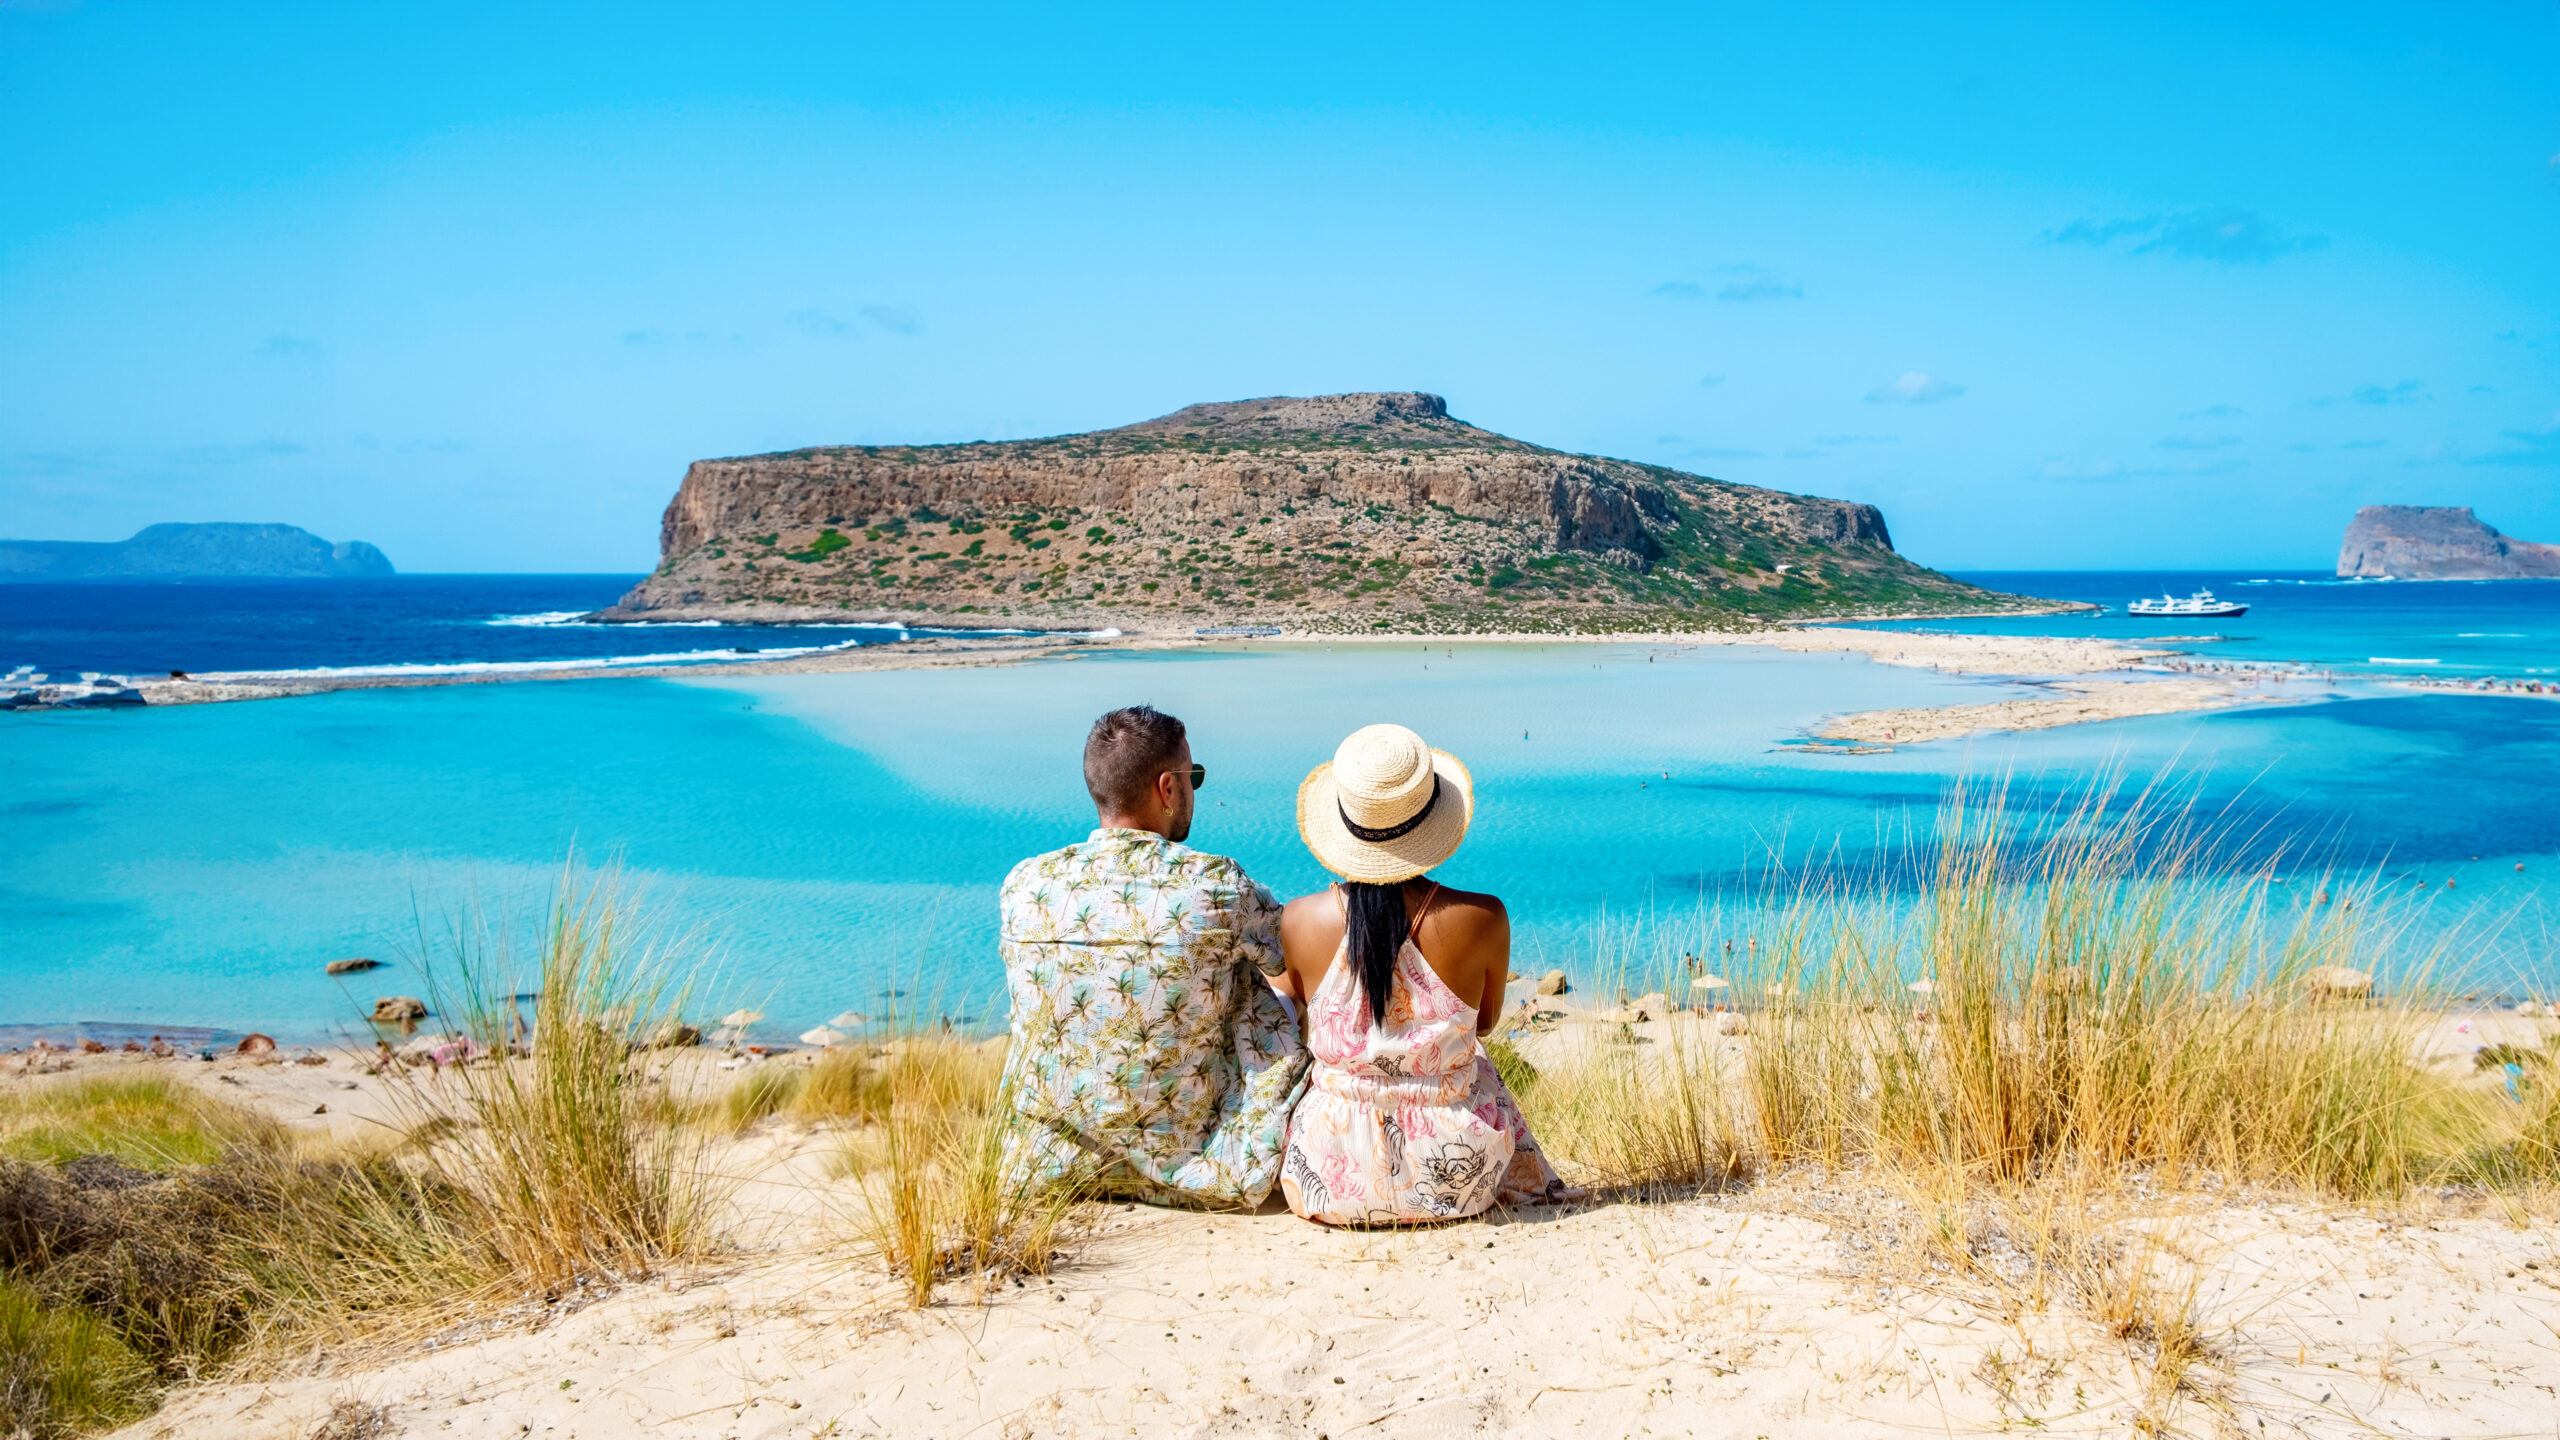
x=1404 y=1120
x=1151 y=1057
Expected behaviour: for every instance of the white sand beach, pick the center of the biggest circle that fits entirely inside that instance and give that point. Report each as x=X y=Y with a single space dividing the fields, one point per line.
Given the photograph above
x=1799 y=1307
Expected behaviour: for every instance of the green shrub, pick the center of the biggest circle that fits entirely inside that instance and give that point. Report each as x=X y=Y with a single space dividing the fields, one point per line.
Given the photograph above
x=151 y=1122
x=1514 y=1068
x=762 y=1091
x=829 y=541
x=63 y=1372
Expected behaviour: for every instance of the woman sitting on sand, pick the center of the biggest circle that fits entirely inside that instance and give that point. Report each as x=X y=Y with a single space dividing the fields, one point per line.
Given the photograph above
x=1404 y=1120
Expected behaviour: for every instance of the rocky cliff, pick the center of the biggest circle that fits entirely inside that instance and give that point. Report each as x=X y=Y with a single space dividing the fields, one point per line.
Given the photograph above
x=2438 y=542
x=1334 y=512
x=184 y=552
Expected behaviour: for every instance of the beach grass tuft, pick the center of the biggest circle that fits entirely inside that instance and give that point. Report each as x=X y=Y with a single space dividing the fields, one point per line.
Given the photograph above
x=2087 y=995
x=559 y=1134
x=937 y=1199
x=1650 y=1120
x=764 y=1091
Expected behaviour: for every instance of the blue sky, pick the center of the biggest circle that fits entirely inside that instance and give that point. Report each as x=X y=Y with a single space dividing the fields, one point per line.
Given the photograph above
x=2069 y=286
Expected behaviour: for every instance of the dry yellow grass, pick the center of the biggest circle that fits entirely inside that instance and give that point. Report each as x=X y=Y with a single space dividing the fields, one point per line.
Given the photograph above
x=935 y=1198
x=1635 y=1120
x=2043 y=1052
x=2096 y=1001
x=565 y=1145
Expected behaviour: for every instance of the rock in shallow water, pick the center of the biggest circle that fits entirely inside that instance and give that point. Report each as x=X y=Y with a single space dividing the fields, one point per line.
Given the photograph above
x=2337 y=982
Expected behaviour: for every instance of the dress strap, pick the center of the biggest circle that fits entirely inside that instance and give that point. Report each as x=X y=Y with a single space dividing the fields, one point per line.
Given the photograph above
x=1415 y=934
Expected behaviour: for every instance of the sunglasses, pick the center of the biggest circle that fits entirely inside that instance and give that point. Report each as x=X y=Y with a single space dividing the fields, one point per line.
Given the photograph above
x=1199 y=776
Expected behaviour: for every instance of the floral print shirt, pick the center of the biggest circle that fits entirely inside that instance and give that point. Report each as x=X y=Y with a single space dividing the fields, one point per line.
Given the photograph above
x=1148 y=1051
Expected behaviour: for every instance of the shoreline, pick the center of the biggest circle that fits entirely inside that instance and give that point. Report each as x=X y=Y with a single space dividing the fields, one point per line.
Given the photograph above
x=2148 y=687
x=2059 y=671
x=1951 y=653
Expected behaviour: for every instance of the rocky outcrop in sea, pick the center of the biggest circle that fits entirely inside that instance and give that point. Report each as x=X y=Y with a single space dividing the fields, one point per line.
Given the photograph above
x=2438 y=542
x=194 y=552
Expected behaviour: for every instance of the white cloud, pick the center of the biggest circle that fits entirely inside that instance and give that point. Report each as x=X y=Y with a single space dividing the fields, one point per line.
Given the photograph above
x=1915 y=388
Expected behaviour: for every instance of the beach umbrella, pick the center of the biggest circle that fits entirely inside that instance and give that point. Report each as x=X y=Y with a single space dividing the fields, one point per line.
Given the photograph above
x=1710 y=982
x=850 y=1020
x=738 y=1018
x=823 y=1037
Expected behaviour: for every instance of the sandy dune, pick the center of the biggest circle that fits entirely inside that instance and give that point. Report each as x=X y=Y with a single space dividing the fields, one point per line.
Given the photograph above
x=1801 y=1307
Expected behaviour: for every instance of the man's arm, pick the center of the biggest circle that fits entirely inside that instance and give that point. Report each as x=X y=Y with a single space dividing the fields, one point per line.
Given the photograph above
x=1257 y=927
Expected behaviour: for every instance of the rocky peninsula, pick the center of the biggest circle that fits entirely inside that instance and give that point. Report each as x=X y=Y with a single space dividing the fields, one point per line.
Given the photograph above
x=224 y=551
x=1330 y=514
x=2438 y=542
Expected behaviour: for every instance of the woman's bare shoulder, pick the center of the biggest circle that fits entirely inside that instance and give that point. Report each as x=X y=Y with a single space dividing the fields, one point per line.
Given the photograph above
x=1311 y=914
x=1317 y=902
x=1468 y=911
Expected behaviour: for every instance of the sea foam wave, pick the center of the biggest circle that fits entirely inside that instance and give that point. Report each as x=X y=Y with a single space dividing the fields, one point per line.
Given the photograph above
x=577 y=619
x=584 y=662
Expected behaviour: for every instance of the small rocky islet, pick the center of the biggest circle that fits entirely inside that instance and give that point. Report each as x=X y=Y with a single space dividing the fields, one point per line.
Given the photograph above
x=1326 y=514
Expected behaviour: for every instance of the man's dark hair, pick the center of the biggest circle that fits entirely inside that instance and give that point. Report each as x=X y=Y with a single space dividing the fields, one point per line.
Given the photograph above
x=1126 y=751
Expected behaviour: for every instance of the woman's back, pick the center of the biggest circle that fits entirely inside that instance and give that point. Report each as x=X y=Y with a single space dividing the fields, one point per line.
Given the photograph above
x=1429 y=1033
x=1462 y=938
x=1404 y=1120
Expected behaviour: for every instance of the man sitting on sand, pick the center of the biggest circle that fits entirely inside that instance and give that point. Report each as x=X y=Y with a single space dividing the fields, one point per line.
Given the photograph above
x=1150 y=1055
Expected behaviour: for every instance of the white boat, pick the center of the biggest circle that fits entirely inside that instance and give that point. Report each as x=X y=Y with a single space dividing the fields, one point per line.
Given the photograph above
x=2200 y=605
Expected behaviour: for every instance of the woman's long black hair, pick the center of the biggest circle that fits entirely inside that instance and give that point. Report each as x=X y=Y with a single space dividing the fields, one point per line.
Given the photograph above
x=1377 y=928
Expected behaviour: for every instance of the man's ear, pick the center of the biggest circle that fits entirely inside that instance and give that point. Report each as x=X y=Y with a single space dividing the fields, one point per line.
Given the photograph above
x=1167 y=790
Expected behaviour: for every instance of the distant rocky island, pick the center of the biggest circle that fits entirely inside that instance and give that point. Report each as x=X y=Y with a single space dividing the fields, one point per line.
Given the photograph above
x=2438 y=542
x=1331 y=513
x=194 y=552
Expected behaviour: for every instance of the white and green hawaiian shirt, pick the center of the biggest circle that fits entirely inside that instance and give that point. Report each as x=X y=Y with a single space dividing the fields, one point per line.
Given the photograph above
x=1149 y=1054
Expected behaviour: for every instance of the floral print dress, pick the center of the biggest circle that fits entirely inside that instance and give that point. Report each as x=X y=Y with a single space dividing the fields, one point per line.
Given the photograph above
x=1405 y=1123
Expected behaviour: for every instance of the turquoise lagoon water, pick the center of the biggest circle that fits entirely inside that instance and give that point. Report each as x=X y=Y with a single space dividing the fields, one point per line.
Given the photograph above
x=2374 y=629
x=818 y=840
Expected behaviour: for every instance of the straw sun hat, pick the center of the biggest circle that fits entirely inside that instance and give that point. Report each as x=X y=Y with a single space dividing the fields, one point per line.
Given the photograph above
x=1386 y=808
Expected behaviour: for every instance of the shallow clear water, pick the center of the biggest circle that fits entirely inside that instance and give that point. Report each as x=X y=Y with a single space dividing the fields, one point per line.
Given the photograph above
x=828 y=837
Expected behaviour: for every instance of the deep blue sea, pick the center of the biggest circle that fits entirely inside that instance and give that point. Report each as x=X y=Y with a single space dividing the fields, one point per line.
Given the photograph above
x=406 y=624
x=810 y=842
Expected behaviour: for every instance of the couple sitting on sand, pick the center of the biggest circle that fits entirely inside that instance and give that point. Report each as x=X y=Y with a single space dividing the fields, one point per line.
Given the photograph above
x=1157 y=996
